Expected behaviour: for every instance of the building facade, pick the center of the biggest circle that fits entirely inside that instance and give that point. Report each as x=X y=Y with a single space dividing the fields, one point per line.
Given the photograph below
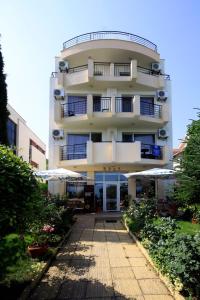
x=25 y=142
x=110 y=113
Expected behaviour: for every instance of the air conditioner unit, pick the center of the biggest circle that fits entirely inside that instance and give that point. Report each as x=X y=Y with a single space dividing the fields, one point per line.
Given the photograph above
x=162 y=95
x=59 y=94
x=155 y=67
x=162 y=133
x=58 y=134
x=63 y=65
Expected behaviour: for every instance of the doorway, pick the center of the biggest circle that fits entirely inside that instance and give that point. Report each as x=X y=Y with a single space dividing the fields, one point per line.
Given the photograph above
x=111 y=199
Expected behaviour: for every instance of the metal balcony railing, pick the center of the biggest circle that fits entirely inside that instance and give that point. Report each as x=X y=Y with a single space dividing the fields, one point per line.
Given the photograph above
x=151 y=72
x=109 y=35
x=75 y=151
x=73 y=109
x=150 y=109
x=101 y=104
x=101 y=69
x=123 y=104
x=151 y=151
x=121 y=69
x=77 y=69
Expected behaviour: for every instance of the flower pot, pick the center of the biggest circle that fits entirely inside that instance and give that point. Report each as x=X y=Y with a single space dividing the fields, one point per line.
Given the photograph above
x=36 y=251
x=194 y=221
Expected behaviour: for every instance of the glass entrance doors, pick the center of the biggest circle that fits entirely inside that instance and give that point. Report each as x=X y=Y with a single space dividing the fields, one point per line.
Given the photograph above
x=111 y=197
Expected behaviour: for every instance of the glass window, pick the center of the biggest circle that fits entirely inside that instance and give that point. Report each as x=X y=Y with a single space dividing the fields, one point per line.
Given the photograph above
x=98 y=192
x=99 y=176
x=75 y=190
x=111 y=176
x=77 y=146
x=126 y=104
x=147 y=105
x=96 y=137
x=145 y=188
x=127 y=137
x=145 y=138
x=12 y=132
x=96 y=103
x=77 y=105
x=124 y=194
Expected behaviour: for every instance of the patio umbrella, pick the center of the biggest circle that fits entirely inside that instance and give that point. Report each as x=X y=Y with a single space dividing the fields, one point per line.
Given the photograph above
x=155 y=173
x=60 y=174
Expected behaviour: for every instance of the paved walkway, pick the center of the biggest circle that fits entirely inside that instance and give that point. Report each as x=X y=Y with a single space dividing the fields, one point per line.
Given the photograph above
x=100 y=261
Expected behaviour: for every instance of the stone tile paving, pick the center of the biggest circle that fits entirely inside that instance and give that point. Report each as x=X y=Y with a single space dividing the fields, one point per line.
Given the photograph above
x=100 y=261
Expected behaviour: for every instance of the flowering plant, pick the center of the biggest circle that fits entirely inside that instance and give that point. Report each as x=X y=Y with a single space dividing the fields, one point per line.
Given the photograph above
x=48 y=228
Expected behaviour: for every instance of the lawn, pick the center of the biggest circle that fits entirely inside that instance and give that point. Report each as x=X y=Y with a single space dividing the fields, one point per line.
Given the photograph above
x=188 y=227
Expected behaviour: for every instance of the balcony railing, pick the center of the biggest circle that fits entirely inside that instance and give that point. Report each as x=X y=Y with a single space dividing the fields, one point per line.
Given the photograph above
x=75 y=151
x=101 y=69
x=121 y=69
x=151 y=72
x=151 y=151
x=77 y=69
x=101 y=104
x=123 y=104
x=109 y=35
x=73 y=109
x=150 y=110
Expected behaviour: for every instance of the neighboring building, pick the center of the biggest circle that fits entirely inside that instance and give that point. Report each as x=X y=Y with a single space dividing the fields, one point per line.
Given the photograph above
x=177 y=154
x=110 y=113
x=25 y=141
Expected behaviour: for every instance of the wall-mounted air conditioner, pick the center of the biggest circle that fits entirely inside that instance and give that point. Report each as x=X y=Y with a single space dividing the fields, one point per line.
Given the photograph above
x=162 y=95
x=59 y=94
x=156 y=67
x=63 y=65
x=162 y=133
x=58 y=134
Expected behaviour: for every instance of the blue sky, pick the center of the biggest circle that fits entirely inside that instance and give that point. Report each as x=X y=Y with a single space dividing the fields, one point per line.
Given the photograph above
x=33 y=33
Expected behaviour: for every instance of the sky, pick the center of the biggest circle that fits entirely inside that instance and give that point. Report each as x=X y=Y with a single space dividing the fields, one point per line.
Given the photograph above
x=33 y=31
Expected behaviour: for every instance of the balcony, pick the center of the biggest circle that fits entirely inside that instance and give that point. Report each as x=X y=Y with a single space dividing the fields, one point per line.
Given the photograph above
x=109 y=35
x=103 y=74
x=112 y=152
x=115 y=111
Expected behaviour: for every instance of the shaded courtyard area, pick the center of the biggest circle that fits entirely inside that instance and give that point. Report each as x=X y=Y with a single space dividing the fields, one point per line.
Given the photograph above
x=100 y=261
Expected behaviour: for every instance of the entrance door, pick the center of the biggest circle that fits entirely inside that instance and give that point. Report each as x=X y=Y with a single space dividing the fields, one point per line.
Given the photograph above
x=111 y=197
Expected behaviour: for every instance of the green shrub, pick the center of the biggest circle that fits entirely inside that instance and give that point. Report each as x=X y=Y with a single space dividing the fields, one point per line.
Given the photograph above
x=21 y=202
x=12 y=249
x=140 y=212
x=176 y=255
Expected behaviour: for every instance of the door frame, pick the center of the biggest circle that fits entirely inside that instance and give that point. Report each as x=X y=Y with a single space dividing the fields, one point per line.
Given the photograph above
x=117 y=184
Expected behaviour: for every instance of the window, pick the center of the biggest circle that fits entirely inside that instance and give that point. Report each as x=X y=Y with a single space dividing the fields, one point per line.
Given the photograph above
x=96 y=137
x=12 y=133
x=127 y=104
x=96 y=103
x=147 y=106
x=77 y=145
x=145 y=188
x=76 y=190
x=127 y=137
x=147 y=140
x=77 y=105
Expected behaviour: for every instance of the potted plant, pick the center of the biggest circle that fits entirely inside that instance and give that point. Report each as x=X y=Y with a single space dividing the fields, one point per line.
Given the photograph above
x=39 y=245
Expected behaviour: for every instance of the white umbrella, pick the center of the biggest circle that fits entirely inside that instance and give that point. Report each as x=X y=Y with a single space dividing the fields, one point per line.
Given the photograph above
x=155 y=173
x=60 y=174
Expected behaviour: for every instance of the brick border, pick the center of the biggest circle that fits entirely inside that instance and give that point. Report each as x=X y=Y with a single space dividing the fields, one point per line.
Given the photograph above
x=169 y=285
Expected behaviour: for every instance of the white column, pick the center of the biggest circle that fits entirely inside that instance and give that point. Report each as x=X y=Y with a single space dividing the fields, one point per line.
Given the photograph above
x=136 y=105
x=90 y=68
x=133 y=69
x=89 y=152
x=89 y=105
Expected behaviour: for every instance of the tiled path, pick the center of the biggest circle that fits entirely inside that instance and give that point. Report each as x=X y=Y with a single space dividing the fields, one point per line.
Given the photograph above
x=100 y=261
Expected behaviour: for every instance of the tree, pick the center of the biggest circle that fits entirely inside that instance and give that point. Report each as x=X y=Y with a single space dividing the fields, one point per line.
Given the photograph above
x=20 y=198
x=4 y=113
x=188 y=188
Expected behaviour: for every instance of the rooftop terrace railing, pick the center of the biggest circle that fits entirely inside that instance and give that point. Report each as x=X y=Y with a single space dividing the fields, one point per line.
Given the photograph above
x=109 y=35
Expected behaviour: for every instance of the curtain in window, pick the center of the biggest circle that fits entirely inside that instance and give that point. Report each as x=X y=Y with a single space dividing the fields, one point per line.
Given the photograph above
x=77 y=105
x=147 y=106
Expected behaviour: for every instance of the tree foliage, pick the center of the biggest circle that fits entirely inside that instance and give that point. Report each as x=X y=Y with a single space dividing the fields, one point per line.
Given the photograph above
x=3 y=104
x=188 y=189
x=20 y=198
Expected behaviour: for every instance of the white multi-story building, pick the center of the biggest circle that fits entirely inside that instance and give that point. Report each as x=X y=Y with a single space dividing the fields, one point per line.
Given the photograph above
x=25 y=142
x=110 y=113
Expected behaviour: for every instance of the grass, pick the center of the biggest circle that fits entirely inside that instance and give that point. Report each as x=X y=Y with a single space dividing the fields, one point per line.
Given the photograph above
x=188 y=227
